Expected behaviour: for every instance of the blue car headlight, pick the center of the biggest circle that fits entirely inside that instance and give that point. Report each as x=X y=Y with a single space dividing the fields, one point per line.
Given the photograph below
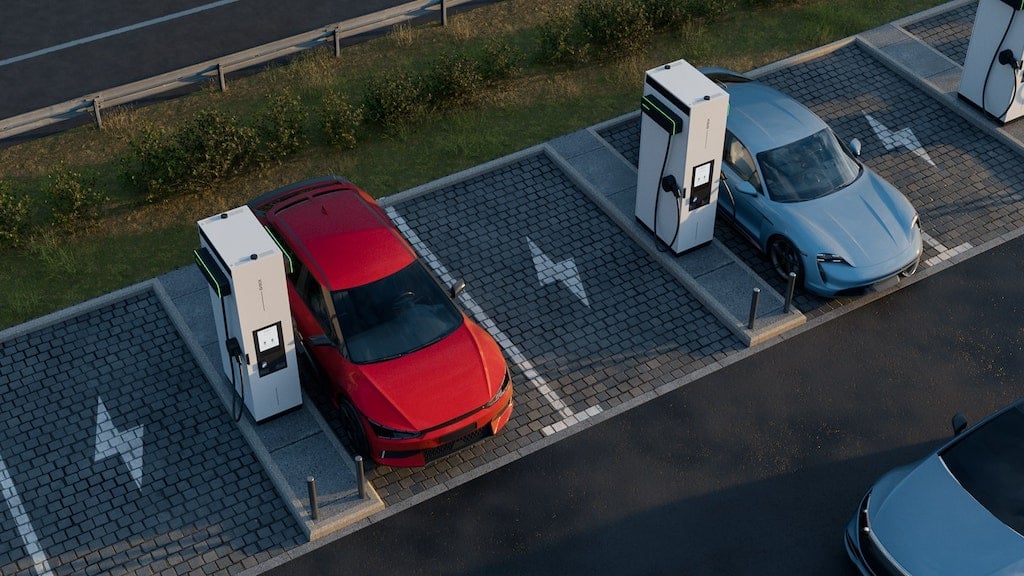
x=828 y=258
x=833 y=258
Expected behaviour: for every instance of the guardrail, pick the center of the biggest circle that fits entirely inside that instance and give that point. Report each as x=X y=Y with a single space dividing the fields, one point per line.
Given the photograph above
x=219 y=67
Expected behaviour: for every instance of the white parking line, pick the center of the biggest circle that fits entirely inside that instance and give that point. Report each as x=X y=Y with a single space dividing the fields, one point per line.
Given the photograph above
x=23 y=523
x=944 y=253
x=122 y=30
x=568 y=417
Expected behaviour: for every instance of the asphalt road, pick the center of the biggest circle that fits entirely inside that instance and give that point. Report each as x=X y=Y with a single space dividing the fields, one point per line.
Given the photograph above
x=754 y=469
x=84 y=67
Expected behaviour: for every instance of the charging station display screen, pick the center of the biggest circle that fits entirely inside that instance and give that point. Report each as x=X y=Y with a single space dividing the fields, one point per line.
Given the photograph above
x=702 y=174
x=267 y=338
x=270 y=354
x=700 y=185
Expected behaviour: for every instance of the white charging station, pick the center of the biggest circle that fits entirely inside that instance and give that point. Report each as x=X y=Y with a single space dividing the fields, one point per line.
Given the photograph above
x=682 y=135
x=991 y=77
x=245 y=269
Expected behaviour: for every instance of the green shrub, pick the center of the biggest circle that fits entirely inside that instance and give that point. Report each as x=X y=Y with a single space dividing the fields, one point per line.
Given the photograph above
x=152 y=164
x=208 y=147
x=281 y=127
x=393 y=98
x=339 y=120
x=561 y=41
x=602 y=29
x=72 y=196
x=711 y=9
x=14 y=217
x=665 y=14
x=213 y=146
x=454 y=79
x=500 y=61
x=614 y=28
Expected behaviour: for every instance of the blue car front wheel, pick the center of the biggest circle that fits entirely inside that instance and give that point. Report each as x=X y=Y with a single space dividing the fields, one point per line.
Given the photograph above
x=785 y=258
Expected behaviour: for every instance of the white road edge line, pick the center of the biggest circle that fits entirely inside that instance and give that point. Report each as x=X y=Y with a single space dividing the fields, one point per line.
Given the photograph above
x=23 y=523
x=518 y=358
x=944 y=253
x=122 y=30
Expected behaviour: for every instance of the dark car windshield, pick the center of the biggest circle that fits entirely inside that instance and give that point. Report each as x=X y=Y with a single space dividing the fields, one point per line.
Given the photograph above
x=809 y=168
x=989 y=463
x=395 y=315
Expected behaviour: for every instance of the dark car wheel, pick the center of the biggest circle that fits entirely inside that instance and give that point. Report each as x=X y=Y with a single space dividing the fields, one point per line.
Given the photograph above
x=785 y=259
x=353 y=426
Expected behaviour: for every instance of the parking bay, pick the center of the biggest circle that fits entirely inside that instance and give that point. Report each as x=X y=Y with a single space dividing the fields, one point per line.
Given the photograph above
x=637 y=328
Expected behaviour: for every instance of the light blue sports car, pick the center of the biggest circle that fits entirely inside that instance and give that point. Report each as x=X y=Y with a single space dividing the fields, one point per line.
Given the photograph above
x=958 y=512
x=805 y=200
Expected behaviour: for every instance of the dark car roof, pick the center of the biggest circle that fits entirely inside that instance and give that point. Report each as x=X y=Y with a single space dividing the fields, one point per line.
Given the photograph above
x=338 y=231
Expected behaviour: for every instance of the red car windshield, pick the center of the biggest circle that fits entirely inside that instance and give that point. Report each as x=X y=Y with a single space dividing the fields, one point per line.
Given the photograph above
x=395 y=315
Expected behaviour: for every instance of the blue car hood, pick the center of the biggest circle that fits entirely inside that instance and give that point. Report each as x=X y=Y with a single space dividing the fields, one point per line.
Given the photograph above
x=867 y=223
x=930 y=525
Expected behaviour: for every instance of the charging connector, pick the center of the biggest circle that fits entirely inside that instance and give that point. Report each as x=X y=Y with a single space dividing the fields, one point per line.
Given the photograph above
x=1006 y=59
x=669 y=184
x=234 y=350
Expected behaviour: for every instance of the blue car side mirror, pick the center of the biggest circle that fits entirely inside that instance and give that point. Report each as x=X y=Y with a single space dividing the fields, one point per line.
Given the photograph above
x=855 y=147
x=959 y=423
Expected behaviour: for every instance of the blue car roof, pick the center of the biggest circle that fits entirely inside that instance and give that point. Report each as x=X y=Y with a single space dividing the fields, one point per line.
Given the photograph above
x=764 y=118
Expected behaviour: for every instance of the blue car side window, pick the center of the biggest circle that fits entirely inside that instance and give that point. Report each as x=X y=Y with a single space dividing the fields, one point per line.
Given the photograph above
x=739 y=158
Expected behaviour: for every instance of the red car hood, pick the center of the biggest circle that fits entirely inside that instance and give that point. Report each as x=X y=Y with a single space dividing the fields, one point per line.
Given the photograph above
x=434 y=385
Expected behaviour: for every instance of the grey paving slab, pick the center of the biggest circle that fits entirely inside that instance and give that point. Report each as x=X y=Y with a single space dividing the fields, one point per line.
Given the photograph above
x=201 y=496
x=602 y=165
x=283 y=444
x=948 y=32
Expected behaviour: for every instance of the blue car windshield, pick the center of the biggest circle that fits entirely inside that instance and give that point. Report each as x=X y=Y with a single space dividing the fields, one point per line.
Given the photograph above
x=989 y=463
x=809 y=168
x=395 y=315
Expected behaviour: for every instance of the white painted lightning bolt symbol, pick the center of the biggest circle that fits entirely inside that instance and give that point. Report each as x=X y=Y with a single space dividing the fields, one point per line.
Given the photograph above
x=903 y=137
x=113 y=442
x=549 y=271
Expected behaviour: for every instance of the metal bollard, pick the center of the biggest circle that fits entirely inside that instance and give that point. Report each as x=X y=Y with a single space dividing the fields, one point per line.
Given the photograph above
x=789 y=292
x=314 y=507
x=361 y=478
x=444 y=13
x=753 y=307
x=96 y=112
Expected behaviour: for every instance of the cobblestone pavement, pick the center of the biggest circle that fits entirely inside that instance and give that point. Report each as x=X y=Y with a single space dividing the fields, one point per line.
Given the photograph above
x=200 y=503
x=949 y=33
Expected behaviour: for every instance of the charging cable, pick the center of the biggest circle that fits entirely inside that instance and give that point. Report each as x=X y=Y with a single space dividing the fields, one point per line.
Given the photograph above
x=234 y=351
x=668 y=184
x=732 y=199
x=657 y=192
x=1002 y=57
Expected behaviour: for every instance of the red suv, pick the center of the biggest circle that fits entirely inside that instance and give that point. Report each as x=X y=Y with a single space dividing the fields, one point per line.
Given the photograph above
x=414 y=379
